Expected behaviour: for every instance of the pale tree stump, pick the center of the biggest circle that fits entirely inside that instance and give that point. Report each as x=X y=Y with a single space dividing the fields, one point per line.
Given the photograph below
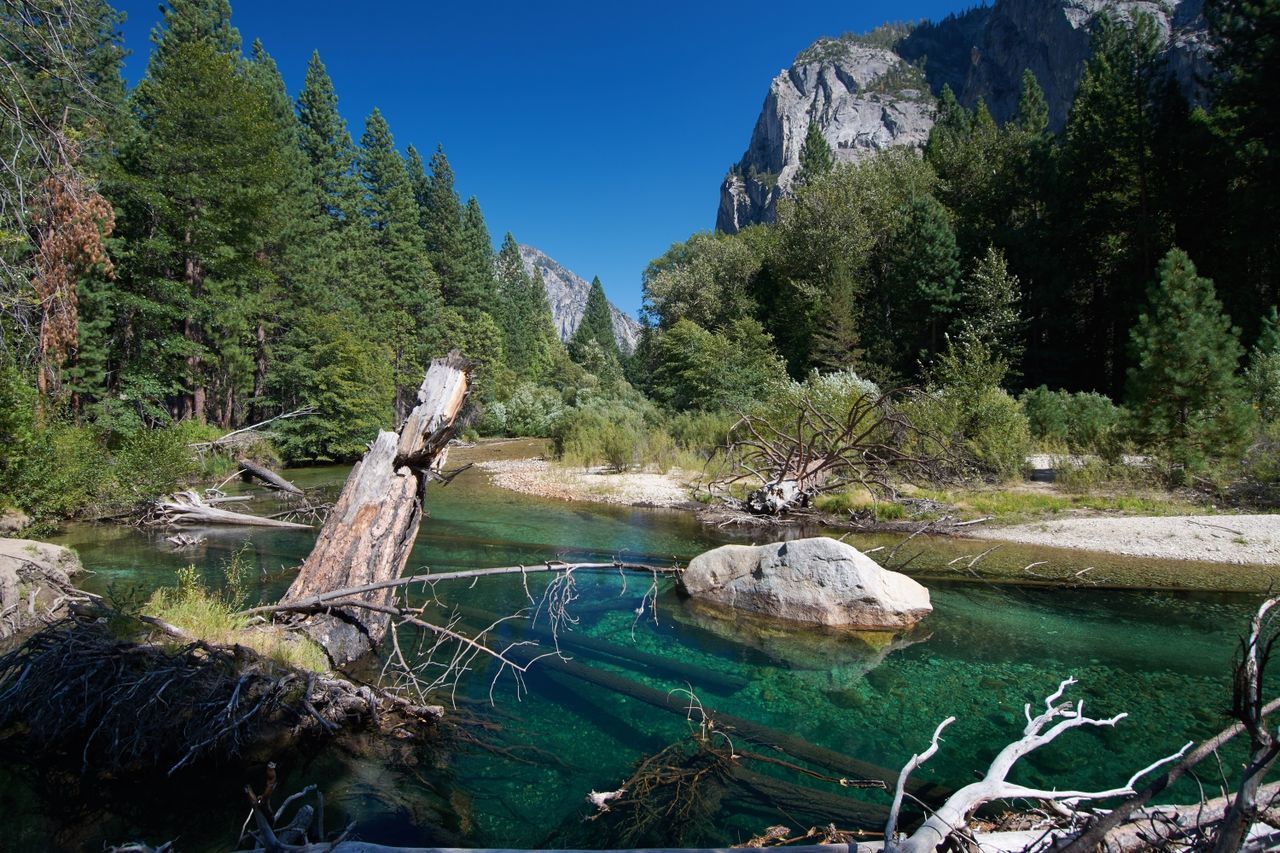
x=370 y=532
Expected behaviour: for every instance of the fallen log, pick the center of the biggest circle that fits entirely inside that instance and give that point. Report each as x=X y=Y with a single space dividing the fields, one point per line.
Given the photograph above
x=369 y=534
x=189 y=508
x=266 y=475
x=797 y=747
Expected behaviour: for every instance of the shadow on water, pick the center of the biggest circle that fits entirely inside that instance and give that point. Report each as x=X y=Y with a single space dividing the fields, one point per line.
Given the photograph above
x=1163 y=657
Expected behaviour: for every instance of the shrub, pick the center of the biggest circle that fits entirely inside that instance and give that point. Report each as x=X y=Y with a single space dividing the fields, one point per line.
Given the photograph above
x=1046 y=413
x=1093 y=425
x=984 y=427
x=532 y=411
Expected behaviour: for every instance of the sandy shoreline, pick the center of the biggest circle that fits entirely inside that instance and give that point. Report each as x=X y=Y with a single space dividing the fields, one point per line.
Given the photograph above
x=1236 y=539
x=559 y=482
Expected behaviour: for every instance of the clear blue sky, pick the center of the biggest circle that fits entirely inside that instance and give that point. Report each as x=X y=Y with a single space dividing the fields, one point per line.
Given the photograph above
x=598 y=132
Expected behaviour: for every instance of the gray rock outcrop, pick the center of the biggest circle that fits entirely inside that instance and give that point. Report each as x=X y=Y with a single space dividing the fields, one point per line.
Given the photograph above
x=567 y=293
x=35 y=582
x=13 y=521
x=868 y=92
x=817 y=581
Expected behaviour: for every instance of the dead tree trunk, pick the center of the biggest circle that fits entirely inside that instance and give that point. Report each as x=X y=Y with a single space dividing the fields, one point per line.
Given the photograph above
x=266 y=475
x=371 y=529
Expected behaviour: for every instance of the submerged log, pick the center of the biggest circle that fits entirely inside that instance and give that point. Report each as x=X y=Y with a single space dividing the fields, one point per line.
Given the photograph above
x=266 y=475
x=853 y=768
x=698 y=676
x=369 y=534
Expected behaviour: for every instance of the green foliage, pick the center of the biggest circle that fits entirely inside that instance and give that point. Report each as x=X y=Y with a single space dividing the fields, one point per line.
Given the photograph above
x=347 y=377
x=706 y=280
x=1187 y=401
x=966 y=409
x=816 y=158
x=1083 y=422
x=698 y=369
x=530 y=341
x=596 y=325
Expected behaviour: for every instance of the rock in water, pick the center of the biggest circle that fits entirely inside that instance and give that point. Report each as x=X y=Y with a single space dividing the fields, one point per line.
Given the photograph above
x=34 y=584
x=818 y=581
x=13 y=521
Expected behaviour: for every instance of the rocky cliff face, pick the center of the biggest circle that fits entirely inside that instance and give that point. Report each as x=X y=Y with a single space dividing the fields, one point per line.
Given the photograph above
x=567 y=293
x=872 y=91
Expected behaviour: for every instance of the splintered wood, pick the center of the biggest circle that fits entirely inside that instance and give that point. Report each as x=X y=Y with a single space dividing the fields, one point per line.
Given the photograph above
x=371 y=530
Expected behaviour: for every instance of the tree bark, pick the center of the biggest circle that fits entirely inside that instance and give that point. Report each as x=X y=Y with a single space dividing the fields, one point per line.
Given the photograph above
x=372 y=527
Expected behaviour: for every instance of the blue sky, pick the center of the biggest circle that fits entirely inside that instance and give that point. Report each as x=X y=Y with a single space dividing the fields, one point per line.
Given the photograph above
x=598 y=132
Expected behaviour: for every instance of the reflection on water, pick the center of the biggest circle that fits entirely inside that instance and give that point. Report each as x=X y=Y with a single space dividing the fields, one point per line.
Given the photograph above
x=1163 y=657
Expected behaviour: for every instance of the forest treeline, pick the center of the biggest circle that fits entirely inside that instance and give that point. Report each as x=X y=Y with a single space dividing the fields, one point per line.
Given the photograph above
x=202 y=251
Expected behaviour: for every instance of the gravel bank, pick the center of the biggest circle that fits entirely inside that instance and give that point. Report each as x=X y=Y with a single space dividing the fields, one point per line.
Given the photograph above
x=633 y=488
x=1238 y=539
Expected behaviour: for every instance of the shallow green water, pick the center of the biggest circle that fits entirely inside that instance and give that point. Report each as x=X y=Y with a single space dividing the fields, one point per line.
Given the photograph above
x=1162 y=657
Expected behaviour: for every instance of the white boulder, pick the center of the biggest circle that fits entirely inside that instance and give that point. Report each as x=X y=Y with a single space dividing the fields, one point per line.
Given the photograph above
x=819 y=581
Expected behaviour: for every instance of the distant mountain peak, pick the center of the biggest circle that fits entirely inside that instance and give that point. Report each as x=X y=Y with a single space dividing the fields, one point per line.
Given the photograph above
x=876 y=90
x=567 y=294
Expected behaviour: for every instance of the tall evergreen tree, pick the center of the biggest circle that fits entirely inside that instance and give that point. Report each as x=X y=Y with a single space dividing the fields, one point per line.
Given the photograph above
x=816 y=158
x=923 y=272
x=1112 y=234
x=408 y=292
x=344 y=261
x=1185 y=395
x=442 y=227
x=596 y=325
x=201 y=201
x=529 y=334
x=989 y=304
x=476 y=286
x=1246 y=117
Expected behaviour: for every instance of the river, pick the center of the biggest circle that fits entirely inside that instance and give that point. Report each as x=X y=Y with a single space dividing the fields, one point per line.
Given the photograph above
x=1162 y=657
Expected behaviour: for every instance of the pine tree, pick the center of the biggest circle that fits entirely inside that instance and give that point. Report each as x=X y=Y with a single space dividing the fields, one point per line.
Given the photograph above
x=1246 y=117
x=327 y=144
x=476 y=286
x=836 y=343
x=1112 y=234
x=442 y=226
x=1186 y=398
x=816 y=158
x=990 y=307
x=296 y=249
x=529 y=335
x=923 y=272
x=1263 y=373
x=408 y=295
x=199 y=207
x=345 y=258
x=596 y=325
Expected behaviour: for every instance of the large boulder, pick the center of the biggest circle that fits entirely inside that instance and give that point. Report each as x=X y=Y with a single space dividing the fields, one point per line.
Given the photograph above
x=35 y=584
x=817 y=581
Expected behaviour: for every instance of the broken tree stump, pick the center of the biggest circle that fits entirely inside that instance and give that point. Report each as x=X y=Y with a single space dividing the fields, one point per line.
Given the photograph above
x=267 y=476
x=372 y=527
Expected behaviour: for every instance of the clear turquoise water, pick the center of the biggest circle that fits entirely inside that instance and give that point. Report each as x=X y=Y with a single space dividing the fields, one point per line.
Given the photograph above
x=1162 y=657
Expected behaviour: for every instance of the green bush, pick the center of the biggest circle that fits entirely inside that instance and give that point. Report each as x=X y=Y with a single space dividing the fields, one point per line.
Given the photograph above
x=532 y=411
x=984 y=427
x=1083 y=422
x=1046 y=413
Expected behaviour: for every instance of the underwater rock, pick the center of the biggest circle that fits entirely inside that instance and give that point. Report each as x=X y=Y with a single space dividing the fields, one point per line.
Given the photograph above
x=818 y=581
x=34 y=584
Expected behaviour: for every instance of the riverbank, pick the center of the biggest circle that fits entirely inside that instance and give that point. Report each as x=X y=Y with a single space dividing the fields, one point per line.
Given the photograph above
x=1234 y=539
x=523 y=465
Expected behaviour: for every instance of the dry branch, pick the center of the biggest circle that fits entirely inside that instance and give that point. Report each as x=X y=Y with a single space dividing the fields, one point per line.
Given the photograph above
x=791 y=463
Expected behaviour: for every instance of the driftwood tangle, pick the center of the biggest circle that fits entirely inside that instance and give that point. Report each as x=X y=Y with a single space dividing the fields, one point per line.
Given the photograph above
x=371 y=530
x=190 y=508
